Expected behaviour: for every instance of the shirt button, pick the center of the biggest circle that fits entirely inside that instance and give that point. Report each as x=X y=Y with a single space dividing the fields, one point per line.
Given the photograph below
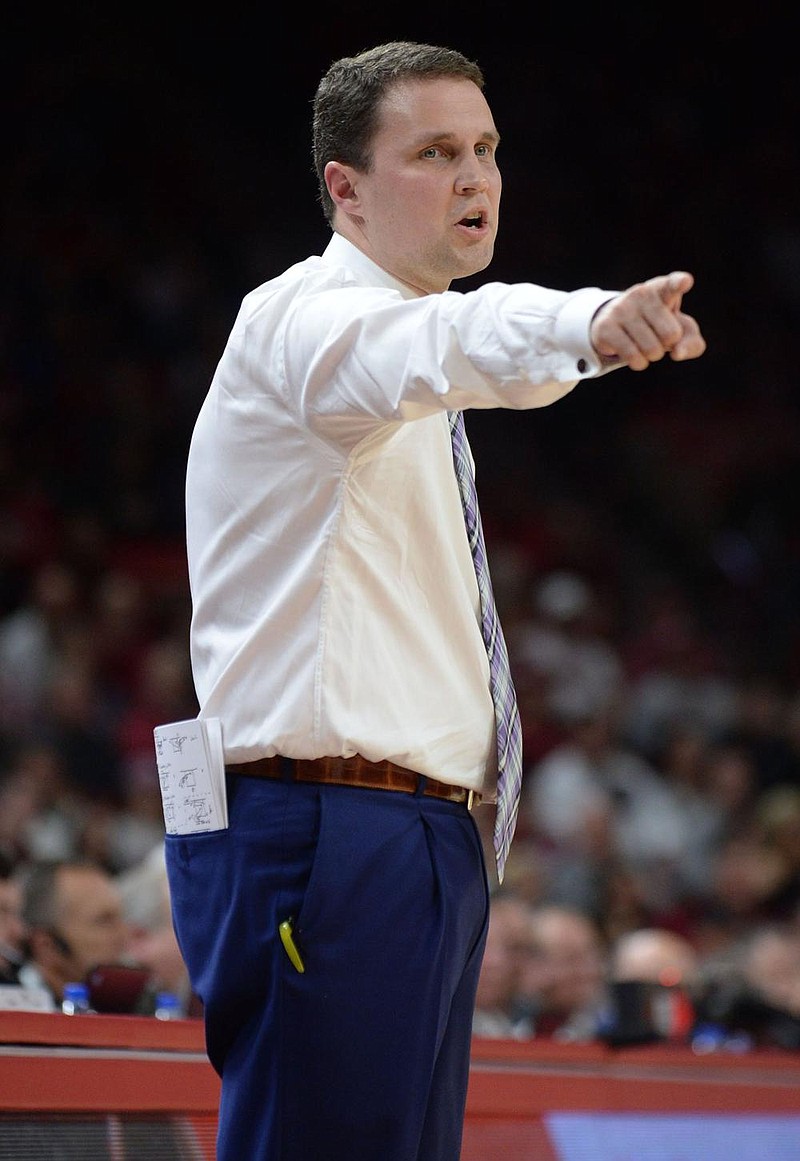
x=581 y=366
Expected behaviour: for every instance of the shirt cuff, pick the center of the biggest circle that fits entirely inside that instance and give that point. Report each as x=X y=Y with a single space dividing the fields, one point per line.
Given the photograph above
x=572 y=330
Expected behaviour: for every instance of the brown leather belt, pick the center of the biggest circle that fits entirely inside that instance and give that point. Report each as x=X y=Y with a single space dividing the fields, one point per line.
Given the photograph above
x=355 y=771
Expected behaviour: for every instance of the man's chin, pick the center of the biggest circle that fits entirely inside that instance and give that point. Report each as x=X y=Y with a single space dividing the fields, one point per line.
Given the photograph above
x=474 y=262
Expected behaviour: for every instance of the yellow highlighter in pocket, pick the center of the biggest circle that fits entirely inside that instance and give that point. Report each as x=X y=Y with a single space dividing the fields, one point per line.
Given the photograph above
x=289 y=945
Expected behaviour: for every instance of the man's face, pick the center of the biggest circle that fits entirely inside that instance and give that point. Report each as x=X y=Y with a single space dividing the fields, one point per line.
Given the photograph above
x=574 y=971
x=91 y=919
x=427 y=211
x=508 y=944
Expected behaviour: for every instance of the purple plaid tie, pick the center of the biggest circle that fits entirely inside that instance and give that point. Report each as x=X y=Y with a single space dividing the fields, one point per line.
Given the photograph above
x=509 y=730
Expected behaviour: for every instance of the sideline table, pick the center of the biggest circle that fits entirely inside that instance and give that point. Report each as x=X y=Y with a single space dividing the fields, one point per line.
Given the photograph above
x=119 y=1087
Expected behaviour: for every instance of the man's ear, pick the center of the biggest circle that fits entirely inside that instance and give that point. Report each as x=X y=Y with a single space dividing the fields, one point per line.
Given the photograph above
x=341 y=182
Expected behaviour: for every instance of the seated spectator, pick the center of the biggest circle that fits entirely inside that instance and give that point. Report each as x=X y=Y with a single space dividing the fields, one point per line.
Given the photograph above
x=30 y=640
x=771 y=966
x=730 y=782
x=676 y=673
x=152 y=942
x=568 y=643
x=761 y=729
x=74 y=915
x=12 y=927
x=747 y=876
x=592 y=799
x=79 y=717
x=39 y=817
x=563 y=983
x=622 y=904
x=654 y=955
x=667 y=963
x=508 y=942
x=526 y=871
x=753 y=992
x=666 y=966
x=683 y=763
x=778 y=820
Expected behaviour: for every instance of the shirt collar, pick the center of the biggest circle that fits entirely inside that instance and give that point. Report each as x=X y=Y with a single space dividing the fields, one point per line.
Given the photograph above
x=341 y=252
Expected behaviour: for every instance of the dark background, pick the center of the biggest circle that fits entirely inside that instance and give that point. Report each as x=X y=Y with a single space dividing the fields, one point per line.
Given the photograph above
x=158 y=167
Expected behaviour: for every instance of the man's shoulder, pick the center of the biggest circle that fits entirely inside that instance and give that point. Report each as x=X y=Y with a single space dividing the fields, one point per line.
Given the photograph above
x=293 y=275
x=312 y=275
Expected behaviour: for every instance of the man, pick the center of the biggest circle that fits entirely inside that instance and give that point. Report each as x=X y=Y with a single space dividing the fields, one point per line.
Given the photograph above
x=509 y=944
x=564 y=986
x=655 y=955
x=73 y=912
x=654 y=980
x=337 y=624
x=769 y=963
x=152 y=943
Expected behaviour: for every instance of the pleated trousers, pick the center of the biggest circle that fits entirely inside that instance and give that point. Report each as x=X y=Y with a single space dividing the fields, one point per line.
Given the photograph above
x=363 y=1055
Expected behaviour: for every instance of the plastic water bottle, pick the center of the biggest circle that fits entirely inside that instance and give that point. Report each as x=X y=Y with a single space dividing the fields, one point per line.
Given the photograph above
x=168 y=1006
x=707 y=1038
x=76 y=1000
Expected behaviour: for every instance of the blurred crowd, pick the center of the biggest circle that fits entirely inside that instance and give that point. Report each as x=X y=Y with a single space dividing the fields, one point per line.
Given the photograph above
x=658 y=840
x=645 y=546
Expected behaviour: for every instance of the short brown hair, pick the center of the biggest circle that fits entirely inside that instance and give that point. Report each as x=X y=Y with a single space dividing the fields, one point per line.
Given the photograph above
x=348 y=100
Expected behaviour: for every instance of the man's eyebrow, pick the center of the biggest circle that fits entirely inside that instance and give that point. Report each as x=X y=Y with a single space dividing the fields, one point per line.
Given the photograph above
x=490 y=135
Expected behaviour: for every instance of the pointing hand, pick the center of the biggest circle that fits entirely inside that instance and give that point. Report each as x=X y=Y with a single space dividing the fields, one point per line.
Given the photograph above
x=645 y=322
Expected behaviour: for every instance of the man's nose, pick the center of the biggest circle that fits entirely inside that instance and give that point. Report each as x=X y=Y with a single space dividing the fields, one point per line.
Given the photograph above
x=471 y=180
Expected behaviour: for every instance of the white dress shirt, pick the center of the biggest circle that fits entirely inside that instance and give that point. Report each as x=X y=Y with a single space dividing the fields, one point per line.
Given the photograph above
x=335 y=606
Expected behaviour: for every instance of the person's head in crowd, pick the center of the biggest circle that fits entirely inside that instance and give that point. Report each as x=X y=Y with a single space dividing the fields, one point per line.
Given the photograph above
x=120 y=624
x=730 y=781
x=152 y=942
x=79 y=711
x=682 y=755
x=565 y=983
x=654 y=983
x=526 y=875
x=34 y=822
x=564 y=599
x=753 y=987
x=654 y=955
x=12 y=926
x=778 y=815
x=74 y=915
x=592 y=724
x=746 y=874
x=622 y=900
x=770 y=966
x=508 y=944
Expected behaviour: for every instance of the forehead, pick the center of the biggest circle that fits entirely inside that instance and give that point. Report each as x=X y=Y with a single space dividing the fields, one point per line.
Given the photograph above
x=419 y=110
x=83 y=890
x=560 y=932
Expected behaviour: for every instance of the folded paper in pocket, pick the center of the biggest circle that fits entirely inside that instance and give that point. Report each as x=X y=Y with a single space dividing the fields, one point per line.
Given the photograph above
x=191 y=775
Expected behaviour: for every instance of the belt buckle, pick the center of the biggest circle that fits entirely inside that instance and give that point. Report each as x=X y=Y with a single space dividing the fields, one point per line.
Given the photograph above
x=472 y=799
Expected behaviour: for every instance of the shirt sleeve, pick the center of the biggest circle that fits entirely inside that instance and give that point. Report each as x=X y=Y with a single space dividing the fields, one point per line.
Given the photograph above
x=355 y=356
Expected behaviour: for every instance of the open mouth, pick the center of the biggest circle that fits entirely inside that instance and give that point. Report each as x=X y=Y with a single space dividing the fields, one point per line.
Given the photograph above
x=472 y=221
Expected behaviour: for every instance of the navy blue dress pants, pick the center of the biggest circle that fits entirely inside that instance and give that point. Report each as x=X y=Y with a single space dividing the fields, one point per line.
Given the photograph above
x=364 y=1055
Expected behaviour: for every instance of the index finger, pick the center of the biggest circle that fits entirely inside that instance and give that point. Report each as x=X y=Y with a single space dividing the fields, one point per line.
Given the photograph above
x=676 y=284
